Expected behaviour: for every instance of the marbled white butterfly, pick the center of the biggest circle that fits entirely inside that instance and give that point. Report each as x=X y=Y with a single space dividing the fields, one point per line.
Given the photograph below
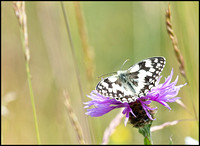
x=131 y=84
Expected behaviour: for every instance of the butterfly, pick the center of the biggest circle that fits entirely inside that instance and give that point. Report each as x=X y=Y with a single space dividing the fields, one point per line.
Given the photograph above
x=137 y=81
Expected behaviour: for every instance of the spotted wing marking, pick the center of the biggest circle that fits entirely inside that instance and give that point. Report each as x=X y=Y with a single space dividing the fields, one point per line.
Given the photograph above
x=139 y=80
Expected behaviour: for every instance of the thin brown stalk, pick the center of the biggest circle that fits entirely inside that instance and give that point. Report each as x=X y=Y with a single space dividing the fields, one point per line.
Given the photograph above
x=175 y=43
x=75 y=62
x=74 y=119
x=19 y=8
x=111 y=128
x=73 y=52
x=87 y=50
x=166 y=124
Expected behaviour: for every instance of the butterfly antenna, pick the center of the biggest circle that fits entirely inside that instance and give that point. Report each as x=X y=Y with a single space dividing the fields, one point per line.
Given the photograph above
x=107 y=74
x=124 y=63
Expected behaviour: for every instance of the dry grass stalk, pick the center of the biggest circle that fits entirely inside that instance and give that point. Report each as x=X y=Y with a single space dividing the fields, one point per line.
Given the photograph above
x=155 y=128
x=111 y=128
x=166 y=124
x=75 y=61
x=176 y=49
x=74 y=119
x=87 y=50
x=175 y=43
x=183 y=105
x=19 y=8
x=73 y=51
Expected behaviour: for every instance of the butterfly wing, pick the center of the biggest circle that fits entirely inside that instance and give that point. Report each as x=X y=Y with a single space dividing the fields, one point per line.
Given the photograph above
x=137 y=82
x=113 y=87
x=143 y=75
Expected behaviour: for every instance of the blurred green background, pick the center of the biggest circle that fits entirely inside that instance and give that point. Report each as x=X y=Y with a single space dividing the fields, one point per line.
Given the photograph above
x=116 y=31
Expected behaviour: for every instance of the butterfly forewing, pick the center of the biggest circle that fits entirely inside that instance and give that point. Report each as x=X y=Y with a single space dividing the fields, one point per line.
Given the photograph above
x=137 y=81
x=144 y=74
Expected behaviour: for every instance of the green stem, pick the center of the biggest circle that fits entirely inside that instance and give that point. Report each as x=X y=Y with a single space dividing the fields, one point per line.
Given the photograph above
x=145 y=131
x=33 y=103
x=30 y=88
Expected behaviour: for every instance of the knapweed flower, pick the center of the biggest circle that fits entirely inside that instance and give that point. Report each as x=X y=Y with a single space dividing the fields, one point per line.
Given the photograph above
x=139 y=111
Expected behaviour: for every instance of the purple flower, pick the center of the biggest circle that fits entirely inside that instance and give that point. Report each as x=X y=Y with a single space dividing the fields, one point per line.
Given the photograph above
x=161 y=93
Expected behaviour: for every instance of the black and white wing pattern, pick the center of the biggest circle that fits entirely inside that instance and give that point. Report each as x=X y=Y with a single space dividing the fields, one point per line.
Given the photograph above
x=143 y=75
x=113 y=87
x=137 y=81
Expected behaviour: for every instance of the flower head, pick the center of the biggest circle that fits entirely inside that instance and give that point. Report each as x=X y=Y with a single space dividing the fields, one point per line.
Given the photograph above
x=161 y=93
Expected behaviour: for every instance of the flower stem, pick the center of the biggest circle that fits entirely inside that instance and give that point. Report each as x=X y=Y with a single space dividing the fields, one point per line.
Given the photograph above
x=145 y=131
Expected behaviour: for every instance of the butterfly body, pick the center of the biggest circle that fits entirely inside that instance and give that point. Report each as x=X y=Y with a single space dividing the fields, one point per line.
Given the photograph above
x=137 y=81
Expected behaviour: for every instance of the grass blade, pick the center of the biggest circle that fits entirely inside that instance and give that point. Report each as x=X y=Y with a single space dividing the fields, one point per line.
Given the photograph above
x=19 y=8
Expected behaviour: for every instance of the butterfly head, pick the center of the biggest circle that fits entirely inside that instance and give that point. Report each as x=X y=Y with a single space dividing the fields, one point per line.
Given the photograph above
x=122 y=75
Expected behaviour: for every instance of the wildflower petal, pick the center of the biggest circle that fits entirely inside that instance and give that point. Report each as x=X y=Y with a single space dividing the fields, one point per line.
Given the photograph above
x=149 y=115
x=96 y=112
x=161 y=93
x=103 y=105
x=165 y=92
